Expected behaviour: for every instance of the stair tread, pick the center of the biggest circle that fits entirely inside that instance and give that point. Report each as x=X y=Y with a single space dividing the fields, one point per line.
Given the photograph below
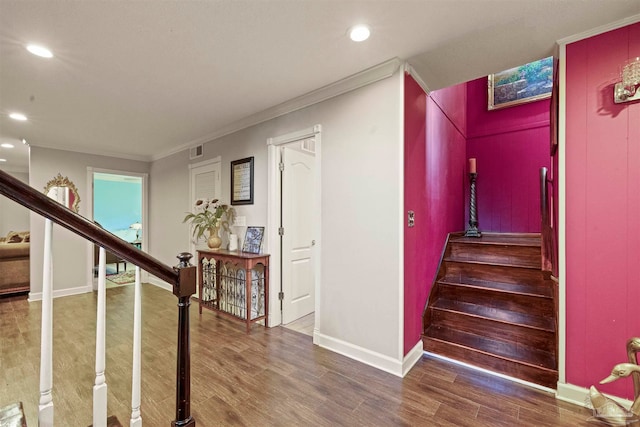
x=496 y=314
x=518 y=264
x=513 y=288
x=514 y=351
x=501 y=239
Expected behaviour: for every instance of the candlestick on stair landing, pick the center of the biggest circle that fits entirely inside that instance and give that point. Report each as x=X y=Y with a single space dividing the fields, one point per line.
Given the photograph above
x=473 y=213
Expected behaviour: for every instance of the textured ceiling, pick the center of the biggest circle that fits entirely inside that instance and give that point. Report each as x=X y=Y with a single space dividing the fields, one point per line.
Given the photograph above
x=140 y=78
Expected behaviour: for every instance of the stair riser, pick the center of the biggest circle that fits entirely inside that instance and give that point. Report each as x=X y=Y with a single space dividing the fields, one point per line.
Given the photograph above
x=537 y=338
x=458 y=271
x=513 y=255
x=538 y=306
x=544 y=377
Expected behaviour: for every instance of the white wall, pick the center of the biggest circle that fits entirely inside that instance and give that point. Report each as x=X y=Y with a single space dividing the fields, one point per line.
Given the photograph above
x=13 y=217
x=70 y=252
x=361 y=289
x=168 y=202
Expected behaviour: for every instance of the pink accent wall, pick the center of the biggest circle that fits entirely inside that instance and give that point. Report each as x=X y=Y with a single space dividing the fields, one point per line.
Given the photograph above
x=510 y=145
x=602 y=208
x=415 y=199
x=434 y=190
x=446 y=173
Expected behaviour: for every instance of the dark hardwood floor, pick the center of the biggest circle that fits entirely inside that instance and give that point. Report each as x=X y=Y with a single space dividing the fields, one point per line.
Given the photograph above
x=272 y=377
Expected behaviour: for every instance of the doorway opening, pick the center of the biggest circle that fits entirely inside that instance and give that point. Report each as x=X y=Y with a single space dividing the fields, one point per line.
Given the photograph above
x=294 y=229
x=119 y=206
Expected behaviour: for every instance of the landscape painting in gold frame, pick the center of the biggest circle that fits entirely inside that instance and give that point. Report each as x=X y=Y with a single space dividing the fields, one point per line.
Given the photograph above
x=526 y=83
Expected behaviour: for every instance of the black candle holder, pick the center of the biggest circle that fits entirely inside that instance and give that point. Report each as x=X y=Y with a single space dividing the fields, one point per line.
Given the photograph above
x=473 y=212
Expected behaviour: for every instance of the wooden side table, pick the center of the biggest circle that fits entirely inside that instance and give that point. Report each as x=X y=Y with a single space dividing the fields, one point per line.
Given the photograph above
x=235 y=284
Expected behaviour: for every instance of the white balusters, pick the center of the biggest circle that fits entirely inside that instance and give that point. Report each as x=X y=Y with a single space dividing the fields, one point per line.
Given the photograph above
x=45 y=409
x=100 y=385
x=136 y=419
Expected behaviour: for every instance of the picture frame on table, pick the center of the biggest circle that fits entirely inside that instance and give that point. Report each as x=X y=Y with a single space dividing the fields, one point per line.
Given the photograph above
x=242 y=181
x=520 y=85
x=253 y=240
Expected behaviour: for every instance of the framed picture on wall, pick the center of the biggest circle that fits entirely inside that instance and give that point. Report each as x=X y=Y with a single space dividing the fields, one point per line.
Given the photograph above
x=242 y=181
x=526 y=83
x=253 y=240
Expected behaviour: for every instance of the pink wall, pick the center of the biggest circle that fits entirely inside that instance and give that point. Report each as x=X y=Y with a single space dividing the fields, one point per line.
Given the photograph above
x=511 y=145
x=445 y=174
x=434 y=190
x=415 y=199
x=603 y=203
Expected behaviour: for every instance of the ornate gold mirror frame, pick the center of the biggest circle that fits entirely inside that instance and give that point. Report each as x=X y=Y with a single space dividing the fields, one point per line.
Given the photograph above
x=64 y=191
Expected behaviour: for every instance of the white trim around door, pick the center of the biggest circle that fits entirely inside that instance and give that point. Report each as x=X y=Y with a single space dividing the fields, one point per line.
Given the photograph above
x=145 y=216
x=273 y=220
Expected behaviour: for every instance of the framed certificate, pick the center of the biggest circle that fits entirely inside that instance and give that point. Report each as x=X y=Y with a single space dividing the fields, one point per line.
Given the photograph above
x=242 y=181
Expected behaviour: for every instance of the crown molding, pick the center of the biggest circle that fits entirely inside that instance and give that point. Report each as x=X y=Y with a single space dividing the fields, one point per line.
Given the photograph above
x=599 y=30
x=414 y=74
x=104 y=153
x=355 y=81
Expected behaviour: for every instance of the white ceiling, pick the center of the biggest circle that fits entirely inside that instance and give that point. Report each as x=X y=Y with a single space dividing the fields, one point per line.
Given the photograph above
x=139 y=78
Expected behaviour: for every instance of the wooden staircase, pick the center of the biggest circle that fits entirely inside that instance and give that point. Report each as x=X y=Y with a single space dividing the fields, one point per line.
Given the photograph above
x=492 y=306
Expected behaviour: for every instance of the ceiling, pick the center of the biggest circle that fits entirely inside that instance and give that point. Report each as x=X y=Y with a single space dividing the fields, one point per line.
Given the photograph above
x=138 y=79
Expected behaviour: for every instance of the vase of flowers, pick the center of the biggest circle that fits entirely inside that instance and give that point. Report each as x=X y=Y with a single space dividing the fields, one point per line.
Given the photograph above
x=208 y=217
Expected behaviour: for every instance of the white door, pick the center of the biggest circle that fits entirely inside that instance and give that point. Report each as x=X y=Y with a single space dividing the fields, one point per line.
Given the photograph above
x=204 y=183
x=297 y=241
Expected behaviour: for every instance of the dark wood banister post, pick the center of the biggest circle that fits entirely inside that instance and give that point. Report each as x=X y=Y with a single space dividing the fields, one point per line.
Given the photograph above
x=183 y=289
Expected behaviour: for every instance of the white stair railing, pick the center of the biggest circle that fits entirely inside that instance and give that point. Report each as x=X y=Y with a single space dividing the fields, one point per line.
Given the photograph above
x=45 y=408
x=100 y=384
x=136 y=419
x=182 y=279
x=45 y=416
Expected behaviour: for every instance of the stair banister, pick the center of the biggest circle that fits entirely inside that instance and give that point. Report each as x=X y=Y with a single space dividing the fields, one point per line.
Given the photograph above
x=547 y=232
x=136 y=417
x=34 y=200
x=182 y=278
x=100 y=384
x=45 y=407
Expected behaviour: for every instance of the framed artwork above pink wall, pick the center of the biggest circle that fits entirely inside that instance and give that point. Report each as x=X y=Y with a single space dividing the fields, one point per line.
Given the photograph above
x=529 y=82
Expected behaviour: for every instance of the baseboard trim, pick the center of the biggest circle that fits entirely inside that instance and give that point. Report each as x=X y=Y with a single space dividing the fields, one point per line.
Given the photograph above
x=580 y=396
x=368 y=357
x=412 y=357
x=57 y=293
x=153 y=280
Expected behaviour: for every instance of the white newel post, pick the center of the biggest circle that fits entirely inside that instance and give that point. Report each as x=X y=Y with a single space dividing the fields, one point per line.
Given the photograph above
x=100 y=385
x=45 y=409
x=136 y=419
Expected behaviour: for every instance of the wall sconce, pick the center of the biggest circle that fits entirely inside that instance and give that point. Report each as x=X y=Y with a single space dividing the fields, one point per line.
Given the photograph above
x=627 y=89
x=136 y=226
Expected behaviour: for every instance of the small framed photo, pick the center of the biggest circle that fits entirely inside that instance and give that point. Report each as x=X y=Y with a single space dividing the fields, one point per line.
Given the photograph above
x=253 y=240
x=526 y=83
x=242 y=181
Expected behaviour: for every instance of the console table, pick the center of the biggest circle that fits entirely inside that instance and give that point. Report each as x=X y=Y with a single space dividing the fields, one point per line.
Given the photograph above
x=235 y=284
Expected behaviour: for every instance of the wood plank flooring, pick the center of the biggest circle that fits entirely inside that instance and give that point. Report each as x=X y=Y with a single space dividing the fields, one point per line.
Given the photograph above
x=304 y=325
x=271 y=377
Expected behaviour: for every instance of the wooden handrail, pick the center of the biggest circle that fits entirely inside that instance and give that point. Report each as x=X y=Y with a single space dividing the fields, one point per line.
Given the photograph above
x=182 y=277
x=34 y=200
x=547 y=232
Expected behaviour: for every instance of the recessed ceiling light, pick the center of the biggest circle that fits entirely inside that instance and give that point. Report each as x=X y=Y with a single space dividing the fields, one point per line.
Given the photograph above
x=24 y=141
x=40 y=51
x=18 y=116
x=359 y=33
x=3 y=160
x=6 y=145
